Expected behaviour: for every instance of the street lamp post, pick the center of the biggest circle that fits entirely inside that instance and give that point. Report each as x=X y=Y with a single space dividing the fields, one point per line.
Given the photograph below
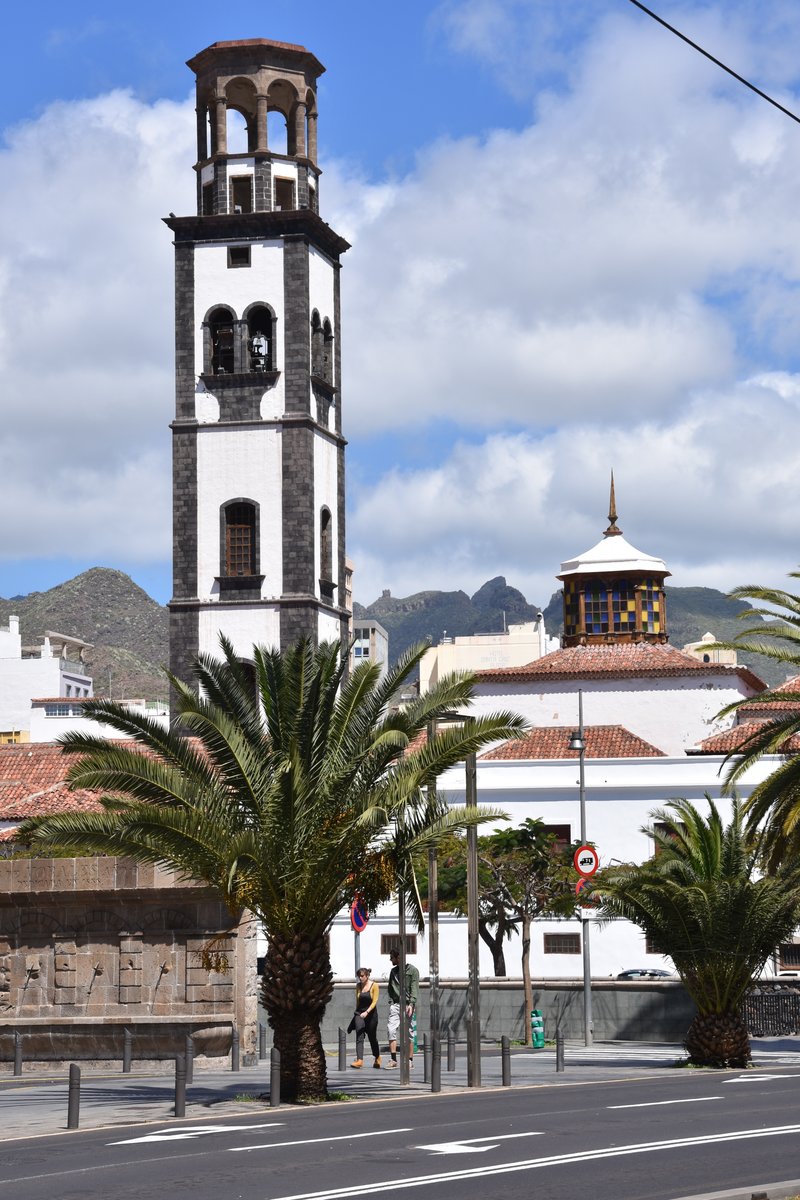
x=578 y=742
x=474 y=978
x=433 y=916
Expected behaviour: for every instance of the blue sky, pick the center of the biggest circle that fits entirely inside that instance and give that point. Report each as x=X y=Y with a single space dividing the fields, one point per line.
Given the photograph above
x=574 y=248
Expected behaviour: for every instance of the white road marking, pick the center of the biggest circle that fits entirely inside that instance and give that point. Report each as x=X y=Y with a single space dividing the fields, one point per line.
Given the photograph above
x=749 y=1078
x=657 y=1103
x=184 y=1132
x=468 y=1146
x=321 y=1141
x=532 y=1164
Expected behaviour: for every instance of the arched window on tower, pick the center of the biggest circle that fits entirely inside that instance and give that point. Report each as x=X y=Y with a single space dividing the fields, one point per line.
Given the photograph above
x=327 y=352
x=240 y=539
x=238 y=127
x=277 y=137
x=326 y=554
x=317 y=345
x=260 y=338
x=220 y=326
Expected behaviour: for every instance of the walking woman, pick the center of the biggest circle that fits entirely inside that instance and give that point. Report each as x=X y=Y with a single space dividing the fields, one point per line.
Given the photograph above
x=365 y=1018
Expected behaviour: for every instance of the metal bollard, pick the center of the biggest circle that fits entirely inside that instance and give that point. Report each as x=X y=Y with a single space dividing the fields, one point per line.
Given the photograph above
x=262 y=1041
x=17 y=1052
x=505 y=1057
x=342 y=1049
x=235 y=1050
x=74 y=1097
x=180 y=1086
x=451 y=1050
x=559 y=1050
x=127 y=1051
x=274 y=1078
x=436 y=1064
x=189 y=1058
x=426 y=1058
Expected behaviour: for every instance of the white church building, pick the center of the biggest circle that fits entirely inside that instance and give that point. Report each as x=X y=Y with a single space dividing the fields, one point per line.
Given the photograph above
x=651 y=732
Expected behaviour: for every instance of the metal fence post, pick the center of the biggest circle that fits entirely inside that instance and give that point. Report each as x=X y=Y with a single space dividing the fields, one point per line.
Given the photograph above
x=436 y=1064
x=235 y=1049
x=262 y=1041
x=275 y=1078
x=451 y=1050
x=74 y=1097
x=559 y=1050
x=342 y=1049
x=505 y=1056
x=17 y=1052
x=180 y=1085
x=426 y=1058
x=189 y=1058
x=127 y=1051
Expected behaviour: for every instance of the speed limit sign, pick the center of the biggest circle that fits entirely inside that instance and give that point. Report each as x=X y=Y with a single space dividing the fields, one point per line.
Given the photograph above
x=586 y=860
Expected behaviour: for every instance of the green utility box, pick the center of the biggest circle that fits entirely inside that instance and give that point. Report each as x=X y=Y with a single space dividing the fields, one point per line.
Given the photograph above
x=537 y=1029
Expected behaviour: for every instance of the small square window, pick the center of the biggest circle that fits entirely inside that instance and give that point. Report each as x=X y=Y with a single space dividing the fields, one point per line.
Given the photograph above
x=238 y=256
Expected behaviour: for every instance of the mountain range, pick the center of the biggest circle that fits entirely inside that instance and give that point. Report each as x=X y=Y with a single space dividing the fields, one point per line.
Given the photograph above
x=130 y=631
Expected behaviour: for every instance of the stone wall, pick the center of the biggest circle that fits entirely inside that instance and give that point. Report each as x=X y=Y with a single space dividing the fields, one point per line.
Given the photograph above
x=90 y=947
x=651 y=1011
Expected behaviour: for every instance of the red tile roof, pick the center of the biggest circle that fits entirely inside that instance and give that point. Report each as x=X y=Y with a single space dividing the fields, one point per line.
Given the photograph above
x=32 y=782
x=602 y=741
x=731 y=739
x=766 y=708
x=628 y=661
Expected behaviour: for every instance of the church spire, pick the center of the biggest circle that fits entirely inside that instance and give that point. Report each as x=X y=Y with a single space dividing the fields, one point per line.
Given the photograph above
x=612 y=530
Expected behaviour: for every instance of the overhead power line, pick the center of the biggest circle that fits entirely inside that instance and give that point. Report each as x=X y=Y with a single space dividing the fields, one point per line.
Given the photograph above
x=716 y=61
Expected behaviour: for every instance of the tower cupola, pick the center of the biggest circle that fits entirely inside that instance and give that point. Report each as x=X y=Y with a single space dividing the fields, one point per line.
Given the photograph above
x=613 y=593
x=245 y=90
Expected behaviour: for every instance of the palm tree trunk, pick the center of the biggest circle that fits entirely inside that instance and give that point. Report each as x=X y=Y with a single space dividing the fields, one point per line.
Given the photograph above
x=718 y=1040
x=296 y=988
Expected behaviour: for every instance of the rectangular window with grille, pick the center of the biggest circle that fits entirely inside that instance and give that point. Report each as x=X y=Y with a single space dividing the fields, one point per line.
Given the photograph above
x=391 y=941
x=789 y=955
x=562 y=835
x=562 y=943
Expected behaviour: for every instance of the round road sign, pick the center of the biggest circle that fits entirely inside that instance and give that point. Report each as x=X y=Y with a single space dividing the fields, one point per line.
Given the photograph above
x=359 y=918
x=586 y=860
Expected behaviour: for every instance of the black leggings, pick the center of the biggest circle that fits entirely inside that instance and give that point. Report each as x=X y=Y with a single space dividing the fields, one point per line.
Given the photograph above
x=370 y=1030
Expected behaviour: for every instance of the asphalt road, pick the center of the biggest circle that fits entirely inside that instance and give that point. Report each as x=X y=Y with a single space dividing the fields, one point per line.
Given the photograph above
x=661 y=1137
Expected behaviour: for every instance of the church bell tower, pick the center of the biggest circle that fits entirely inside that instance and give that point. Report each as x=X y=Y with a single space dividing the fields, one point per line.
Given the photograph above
x=258 y=452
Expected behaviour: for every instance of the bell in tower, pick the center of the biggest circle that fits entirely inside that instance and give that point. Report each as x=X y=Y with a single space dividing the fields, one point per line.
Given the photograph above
x=258 y=452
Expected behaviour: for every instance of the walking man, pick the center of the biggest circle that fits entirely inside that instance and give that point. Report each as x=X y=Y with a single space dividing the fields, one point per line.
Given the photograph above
x=410 y=998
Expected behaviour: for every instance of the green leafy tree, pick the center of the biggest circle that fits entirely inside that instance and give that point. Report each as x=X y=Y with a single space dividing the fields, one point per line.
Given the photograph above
x=523 y=874
x=775 y=802
x=701 y=900
x=284 y=801
x=528 y=875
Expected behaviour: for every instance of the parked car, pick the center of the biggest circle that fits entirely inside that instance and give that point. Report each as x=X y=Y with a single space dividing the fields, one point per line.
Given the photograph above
x=645 y=973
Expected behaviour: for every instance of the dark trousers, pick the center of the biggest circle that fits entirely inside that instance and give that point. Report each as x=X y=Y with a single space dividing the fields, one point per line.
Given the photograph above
x=370 y=1030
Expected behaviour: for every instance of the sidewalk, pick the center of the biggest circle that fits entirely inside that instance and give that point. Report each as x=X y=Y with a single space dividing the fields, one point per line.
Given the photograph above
x=34 y=1105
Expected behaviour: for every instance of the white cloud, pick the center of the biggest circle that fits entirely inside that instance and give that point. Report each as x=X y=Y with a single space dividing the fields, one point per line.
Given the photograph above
x=86 y=340
x=712 y=492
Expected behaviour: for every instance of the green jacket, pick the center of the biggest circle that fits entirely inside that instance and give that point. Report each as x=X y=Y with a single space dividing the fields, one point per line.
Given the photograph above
x=412 y=985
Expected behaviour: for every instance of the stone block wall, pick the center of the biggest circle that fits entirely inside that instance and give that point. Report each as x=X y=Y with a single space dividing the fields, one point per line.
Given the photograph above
x=90 y=947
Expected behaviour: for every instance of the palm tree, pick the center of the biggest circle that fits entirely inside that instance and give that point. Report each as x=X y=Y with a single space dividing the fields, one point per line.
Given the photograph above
x=775 y=802
x=701 y=901
x=284 y=798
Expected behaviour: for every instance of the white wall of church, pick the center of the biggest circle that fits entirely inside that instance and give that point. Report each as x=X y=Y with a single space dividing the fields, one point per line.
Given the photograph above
x=320 y=284
x=232 y=463
x=671 y=713
x=245 y=628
